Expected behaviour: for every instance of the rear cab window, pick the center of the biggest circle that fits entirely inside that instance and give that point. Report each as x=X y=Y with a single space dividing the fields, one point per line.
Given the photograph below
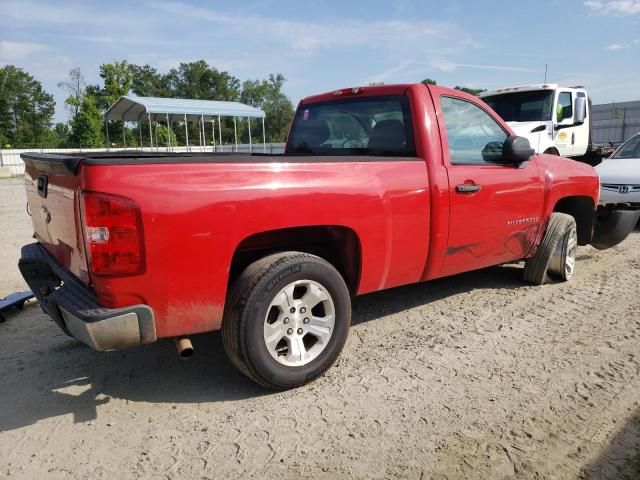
x=374 y=125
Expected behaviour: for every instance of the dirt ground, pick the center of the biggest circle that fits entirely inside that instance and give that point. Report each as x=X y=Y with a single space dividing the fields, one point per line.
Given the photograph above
x=472 y=377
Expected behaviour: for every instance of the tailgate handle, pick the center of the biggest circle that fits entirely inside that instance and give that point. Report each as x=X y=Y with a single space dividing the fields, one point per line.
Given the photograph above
x=43 y=184
x=467 y=188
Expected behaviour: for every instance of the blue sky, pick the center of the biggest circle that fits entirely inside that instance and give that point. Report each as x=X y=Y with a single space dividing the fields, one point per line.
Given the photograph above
x=321 y=46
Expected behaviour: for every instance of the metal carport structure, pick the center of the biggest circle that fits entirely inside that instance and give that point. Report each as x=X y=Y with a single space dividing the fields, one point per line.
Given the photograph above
x=169 y=110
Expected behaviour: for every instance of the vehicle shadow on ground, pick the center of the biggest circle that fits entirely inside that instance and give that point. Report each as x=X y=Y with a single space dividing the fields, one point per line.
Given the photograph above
x=49 y=374
x=620 y=460
x=387 y=302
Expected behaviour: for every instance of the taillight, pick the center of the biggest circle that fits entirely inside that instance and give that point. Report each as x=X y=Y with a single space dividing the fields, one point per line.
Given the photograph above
x=113 y=234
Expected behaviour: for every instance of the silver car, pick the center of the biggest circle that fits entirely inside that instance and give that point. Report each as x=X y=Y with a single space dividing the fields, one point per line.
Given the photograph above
x=620 y=175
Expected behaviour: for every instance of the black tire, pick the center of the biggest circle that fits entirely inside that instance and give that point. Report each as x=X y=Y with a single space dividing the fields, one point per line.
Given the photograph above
x=246 y=309
x=558 y=233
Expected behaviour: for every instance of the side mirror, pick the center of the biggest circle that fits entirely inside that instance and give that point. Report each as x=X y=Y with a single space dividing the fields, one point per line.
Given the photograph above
x=579 y=109
x=516 y=150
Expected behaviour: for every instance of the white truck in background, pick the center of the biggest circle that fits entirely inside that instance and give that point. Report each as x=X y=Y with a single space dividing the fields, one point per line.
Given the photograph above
x=555 y=119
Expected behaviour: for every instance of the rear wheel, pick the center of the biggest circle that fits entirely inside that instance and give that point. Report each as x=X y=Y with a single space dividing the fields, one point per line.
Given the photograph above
x=287 y=319
x=556 y=255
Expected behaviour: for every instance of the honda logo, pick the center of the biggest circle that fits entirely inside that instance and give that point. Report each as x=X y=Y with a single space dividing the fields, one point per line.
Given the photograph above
x=624 y=189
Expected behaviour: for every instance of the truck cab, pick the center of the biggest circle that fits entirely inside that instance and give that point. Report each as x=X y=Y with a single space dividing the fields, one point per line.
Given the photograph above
x=555 y=119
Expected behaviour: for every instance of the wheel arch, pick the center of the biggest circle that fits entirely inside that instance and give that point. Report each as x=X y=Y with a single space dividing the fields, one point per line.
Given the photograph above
x=552 y=151
x=582 y=209
x=338 y=245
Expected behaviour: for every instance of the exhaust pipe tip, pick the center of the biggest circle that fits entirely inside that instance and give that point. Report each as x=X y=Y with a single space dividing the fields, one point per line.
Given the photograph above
x=185 y=348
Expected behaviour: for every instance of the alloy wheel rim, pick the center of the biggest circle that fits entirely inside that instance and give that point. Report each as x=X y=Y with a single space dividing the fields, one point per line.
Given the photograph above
x=571 y=250
x=299 y=323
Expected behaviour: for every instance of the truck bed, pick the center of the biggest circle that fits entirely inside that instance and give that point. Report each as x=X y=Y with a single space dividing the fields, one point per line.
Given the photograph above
x=199 y=209
x=69 y=164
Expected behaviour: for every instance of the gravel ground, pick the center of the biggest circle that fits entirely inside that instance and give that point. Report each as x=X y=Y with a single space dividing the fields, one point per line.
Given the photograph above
x=475 y=376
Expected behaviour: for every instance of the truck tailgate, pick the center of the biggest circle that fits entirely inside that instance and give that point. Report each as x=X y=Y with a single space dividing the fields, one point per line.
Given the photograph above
x=52 y=197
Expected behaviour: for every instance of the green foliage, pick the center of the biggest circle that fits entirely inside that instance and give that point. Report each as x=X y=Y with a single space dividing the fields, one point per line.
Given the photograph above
x=118 y=79
x=162 y=133
x=26 y=109
x=87 y=127
x=470 y=91
x=267 y=95
x=147 y=82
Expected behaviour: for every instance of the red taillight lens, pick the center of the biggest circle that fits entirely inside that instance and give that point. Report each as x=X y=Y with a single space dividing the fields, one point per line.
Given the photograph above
x=113 y=234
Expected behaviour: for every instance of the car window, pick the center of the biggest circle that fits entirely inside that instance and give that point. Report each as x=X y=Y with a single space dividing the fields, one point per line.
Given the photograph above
x=583 y=95
x=474 y=137
x=631 y=149
x=564 y=109
x=531 y=106
x=379 y=125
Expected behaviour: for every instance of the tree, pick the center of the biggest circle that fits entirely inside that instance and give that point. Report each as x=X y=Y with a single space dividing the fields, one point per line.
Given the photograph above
x=26 y=109
x=118 y=78
x=87 y=127
x=56 y=137
x=199 y=80
x=74 y=85
x=428 y=81
x=147 y=82
x=470 y=91
x=267 y=95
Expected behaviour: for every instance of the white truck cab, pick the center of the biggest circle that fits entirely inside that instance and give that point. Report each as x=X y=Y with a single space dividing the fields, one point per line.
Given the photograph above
x=555 y=119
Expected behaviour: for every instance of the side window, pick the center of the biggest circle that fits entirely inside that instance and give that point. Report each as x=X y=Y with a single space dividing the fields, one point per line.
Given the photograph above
x=582 y=94
x=564 y=109
x=474 y=137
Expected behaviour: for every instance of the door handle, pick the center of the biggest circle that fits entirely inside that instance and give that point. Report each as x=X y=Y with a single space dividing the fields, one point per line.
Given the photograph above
x=467 y=188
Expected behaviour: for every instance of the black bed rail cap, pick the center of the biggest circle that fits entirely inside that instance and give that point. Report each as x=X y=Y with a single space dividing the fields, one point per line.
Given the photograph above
x=52 y=162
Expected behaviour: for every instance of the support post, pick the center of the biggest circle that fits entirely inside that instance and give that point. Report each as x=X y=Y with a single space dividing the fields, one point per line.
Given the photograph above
x=204 y=136
x=124 y=135
x=106 y=127
x=157 y=144
x=250 y=144
x=235 y=133
x=213 y=133
x=140 y=130
x=150 y=131
x=264 y=138
x=220 y=132
x=168 y=132
x=186 y=131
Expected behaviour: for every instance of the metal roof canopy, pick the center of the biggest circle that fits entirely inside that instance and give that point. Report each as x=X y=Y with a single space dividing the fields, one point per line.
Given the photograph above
x=131 y=109
x=159 y=109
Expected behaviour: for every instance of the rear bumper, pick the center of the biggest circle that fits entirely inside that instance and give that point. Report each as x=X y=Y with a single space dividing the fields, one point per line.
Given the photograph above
x=613 y=225
x=74 y=307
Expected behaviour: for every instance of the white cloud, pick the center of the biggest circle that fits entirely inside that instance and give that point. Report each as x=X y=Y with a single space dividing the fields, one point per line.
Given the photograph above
x=58 y=13
x=629 y=7
x=12 y=52
x=306 y=36
x=617 y=46
x=451 y=66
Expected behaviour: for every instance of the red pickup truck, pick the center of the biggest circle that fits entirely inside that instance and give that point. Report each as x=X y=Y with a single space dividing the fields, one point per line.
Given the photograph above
x=378 y=187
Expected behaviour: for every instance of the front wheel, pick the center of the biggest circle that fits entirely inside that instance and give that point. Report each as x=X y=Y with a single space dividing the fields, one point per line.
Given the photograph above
x=287 y=319
x=556 y=255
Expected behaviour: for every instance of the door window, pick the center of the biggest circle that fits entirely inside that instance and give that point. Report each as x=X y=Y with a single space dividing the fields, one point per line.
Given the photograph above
x=474 y=137
x=564 y=109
